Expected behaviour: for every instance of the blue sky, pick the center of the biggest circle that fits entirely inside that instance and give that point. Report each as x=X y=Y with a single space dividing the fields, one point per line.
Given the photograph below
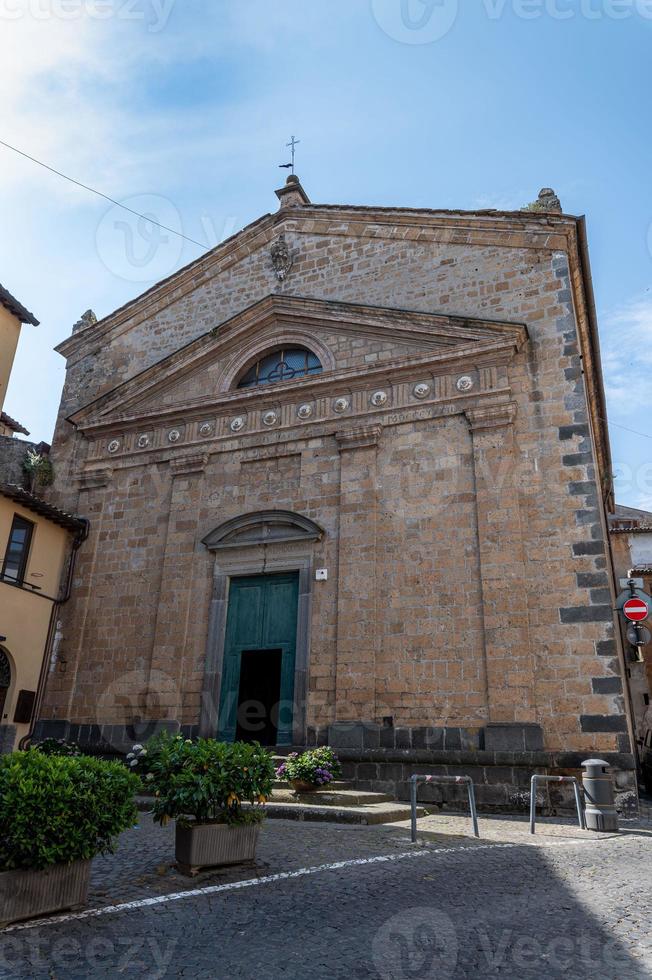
x=181 y=108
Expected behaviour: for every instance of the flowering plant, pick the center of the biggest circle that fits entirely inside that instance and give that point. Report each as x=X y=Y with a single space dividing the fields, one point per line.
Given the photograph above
x=58 y=746
x=143 y=758
x=316 y=766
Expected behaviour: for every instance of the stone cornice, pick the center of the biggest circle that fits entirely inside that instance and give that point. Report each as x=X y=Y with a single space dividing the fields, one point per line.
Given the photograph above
x=189 y=463
x=446 y=339
x=491 y=416
x=506 y=229
x=359 y=437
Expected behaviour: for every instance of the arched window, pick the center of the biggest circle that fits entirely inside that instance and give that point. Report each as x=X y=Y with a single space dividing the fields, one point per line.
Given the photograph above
x=282 y=365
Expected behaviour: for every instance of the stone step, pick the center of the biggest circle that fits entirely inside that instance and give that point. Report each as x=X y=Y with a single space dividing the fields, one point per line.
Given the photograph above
x=375 y=813
x=331 y=797
x=335 y=786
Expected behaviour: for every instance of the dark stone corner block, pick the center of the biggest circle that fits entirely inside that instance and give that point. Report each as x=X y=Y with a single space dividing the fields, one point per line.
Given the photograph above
x=586 y=614
x=603 y=723
x=606 y=648
x=569 y=431
x=607 y=685
x=582 y=548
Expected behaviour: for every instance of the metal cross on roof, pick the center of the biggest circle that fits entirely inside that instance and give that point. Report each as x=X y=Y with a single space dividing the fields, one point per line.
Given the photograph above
x=293 y=144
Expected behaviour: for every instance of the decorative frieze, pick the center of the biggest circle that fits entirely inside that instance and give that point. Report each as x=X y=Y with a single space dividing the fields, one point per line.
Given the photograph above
x=409 y=401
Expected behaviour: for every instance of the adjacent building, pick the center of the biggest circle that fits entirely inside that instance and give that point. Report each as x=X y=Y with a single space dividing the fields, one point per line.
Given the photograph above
x=631 y=543
x=348 y=481
x=37 y=541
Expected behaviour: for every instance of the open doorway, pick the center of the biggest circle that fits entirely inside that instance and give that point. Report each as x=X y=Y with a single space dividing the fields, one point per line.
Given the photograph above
x=258 y=696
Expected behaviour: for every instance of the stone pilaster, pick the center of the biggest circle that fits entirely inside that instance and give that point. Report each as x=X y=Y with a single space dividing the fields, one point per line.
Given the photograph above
x=509 y=666
x=175 y=603
x=61 y=697
x=357 y=613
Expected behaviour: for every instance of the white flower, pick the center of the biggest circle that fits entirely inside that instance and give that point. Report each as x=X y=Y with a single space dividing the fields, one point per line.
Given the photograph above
x=138 y=748
x=142 y=752
x=130 y=755
x=188 y=741
x=134 y=762
x=149 y=776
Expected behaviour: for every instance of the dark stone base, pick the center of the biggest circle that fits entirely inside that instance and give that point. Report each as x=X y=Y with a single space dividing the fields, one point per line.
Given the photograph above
x=369 y=735
x=7 y=738
x=501 y=779
x=109 y=739
x=501 y=759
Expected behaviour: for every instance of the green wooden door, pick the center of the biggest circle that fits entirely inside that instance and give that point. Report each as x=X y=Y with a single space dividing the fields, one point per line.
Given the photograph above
x=262 y=615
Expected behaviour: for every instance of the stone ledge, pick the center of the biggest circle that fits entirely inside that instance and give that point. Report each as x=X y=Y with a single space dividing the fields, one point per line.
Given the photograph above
x=545 y=760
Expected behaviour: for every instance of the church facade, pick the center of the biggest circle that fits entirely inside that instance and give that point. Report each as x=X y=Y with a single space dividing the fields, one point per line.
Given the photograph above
x=347 y=478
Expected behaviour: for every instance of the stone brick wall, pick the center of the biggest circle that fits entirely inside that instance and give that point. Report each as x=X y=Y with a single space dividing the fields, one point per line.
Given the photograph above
x=468 y=579
x=12 y=457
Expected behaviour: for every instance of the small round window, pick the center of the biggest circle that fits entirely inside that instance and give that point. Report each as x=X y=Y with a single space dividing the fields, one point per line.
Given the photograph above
x=283 y=365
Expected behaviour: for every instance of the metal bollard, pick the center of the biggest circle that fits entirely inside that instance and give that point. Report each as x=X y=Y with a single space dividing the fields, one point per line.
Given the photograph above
x=538 y=778
x=601 y=814
x=414 y=782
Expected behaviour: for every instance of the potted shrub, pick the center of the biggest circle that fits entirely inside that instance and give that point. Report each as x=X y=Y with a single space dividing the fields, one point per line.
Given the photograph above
x=310 y=771
x=56 y=813
x=215 y=791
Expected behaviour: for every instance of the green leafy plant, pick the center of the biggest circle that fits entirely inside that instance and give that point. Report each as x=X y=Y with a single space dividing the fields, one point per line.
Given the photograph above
x=58 y=746
x=207 y=781
x=56 y=809
x=39 y=469
x=316 y=766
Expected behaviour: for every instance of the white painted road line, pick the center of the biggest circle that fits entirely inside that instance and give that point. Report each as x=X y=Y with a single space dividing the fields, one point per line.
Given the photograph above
x=144 y=903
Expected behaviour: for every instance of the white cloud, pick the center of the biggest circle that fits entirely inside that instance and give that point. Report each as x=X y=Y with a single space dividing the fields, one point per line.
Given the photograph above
x=626 y=339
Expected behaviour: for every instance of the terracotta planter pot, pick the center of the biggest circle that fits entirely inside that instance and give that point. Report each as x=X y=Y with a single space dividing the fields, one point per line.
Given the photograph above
x=28 y=894
x=211 y=845
x=301 y=786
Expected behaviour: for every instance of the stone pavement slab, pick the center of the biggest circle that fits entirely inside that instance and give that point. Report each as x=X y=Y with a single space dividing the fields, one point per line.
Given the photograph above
x=328 y=901
x=504 y=828
x=564 y=909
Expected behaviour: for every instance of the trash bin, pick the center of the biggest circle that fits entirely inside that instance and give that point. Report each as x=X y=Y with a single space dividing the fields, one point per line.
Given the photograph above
x=600 y=810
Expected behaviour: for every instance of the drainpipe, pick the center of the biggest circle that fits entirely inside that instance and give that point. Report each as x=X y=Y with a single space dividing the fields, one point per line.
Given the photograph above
x=78 y=540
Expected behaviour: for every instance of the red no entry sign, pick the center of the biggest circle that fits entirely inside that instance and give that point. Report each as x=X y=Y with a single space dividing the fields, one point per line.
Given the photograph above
x=636 y=610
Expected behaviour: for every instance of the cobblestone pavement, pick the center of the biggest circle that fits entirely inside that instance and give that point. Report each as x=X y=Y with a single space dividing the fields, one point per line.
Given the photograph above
x=450 y=908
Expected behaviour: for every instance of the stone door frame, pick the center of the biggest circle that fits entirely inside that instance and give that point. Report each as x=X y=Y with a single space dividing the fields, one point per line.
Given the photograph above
x=273 y=542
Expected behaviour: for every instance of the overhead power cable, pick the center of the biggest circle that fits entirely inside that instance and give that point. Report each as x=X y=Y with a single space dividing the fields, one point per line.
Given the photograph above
x=100 y=194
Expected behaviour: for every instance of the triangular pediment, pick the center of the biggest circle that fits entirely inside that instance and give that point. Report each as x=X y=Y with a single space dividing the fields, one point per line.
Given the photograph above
x=352 y=341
